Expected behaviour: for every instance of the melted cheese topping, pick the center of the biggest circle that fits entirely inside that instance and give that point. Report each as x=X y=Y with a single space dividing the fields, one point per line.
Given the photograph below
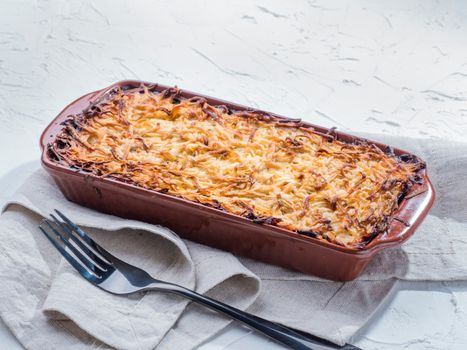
x=247 y=163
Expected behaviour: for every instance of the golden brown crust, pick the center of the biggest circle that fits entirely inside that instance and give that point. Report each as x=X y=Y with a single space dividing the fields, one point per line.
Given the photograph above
x=249 y=163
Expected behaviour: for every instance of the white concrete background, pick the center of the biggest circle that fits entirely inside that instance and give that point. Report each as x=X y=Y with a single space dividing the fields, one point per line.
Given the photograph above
x=397 y=67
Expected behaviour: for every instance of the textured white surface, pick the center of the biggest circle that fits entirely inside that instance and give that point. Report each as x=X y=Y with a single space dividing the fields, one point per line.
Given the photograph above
x=397 y=67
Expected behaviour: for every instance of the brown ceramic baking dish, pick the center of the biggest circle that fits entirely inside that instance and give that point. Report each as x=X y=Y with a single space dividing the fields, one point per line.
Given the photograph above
x=227 y=231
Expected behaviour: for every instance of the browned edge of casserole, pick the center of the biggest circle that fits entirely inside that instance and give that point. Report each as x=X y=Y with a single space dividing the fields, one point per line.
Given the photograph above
x=419 y=183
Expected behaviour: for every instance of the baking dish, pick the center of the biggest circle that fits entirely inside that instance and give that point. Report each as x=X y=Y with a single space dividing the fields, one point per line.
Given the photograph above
x=228 y=231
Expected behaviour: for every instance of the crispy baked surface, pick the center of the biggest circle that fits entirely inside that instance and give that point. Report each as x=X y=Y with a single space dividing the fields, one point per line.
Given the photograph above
x=268 y=169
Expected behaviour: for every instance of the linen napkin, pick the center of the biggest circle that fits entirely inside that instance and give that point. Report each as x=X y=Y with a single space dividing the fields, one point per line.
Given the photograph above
x=47 y=305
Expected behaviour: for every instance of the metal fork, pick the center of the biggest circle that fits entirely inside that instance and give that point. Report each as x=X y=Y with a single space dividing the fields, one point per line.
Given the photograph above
x=113 y=275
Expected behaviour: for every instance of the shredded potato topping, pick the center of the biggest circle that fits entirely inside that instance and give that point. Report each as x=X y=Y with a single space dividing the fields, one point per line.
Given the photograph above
x=269 y=169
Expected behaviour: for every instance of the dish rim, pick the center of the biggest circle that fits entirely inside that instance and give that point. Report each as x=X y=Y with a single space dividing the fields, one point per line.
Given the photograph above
x=421 y=202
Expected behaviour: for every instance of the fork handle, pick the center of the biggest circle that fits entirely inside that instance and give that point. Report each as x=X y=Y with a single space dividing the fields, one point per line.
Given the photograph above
x=282 y=334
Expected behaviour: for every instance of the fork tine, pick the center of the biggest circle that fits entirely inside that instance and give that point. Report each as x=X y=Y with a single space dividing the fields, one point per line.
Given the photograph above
x=93 y=244
x=85 y=260
x=104 y=264
x=84 y=272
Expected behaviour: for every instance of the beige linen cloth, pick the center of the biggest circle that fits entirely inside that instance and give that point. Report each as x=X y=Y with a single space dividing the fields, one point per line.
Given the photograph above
x=47 y=305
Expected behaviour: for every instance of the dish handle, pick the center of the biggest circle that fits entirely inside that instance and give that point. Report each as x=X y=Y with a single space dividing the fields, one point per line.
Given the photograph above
x=75 y=107
x=413 y=211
